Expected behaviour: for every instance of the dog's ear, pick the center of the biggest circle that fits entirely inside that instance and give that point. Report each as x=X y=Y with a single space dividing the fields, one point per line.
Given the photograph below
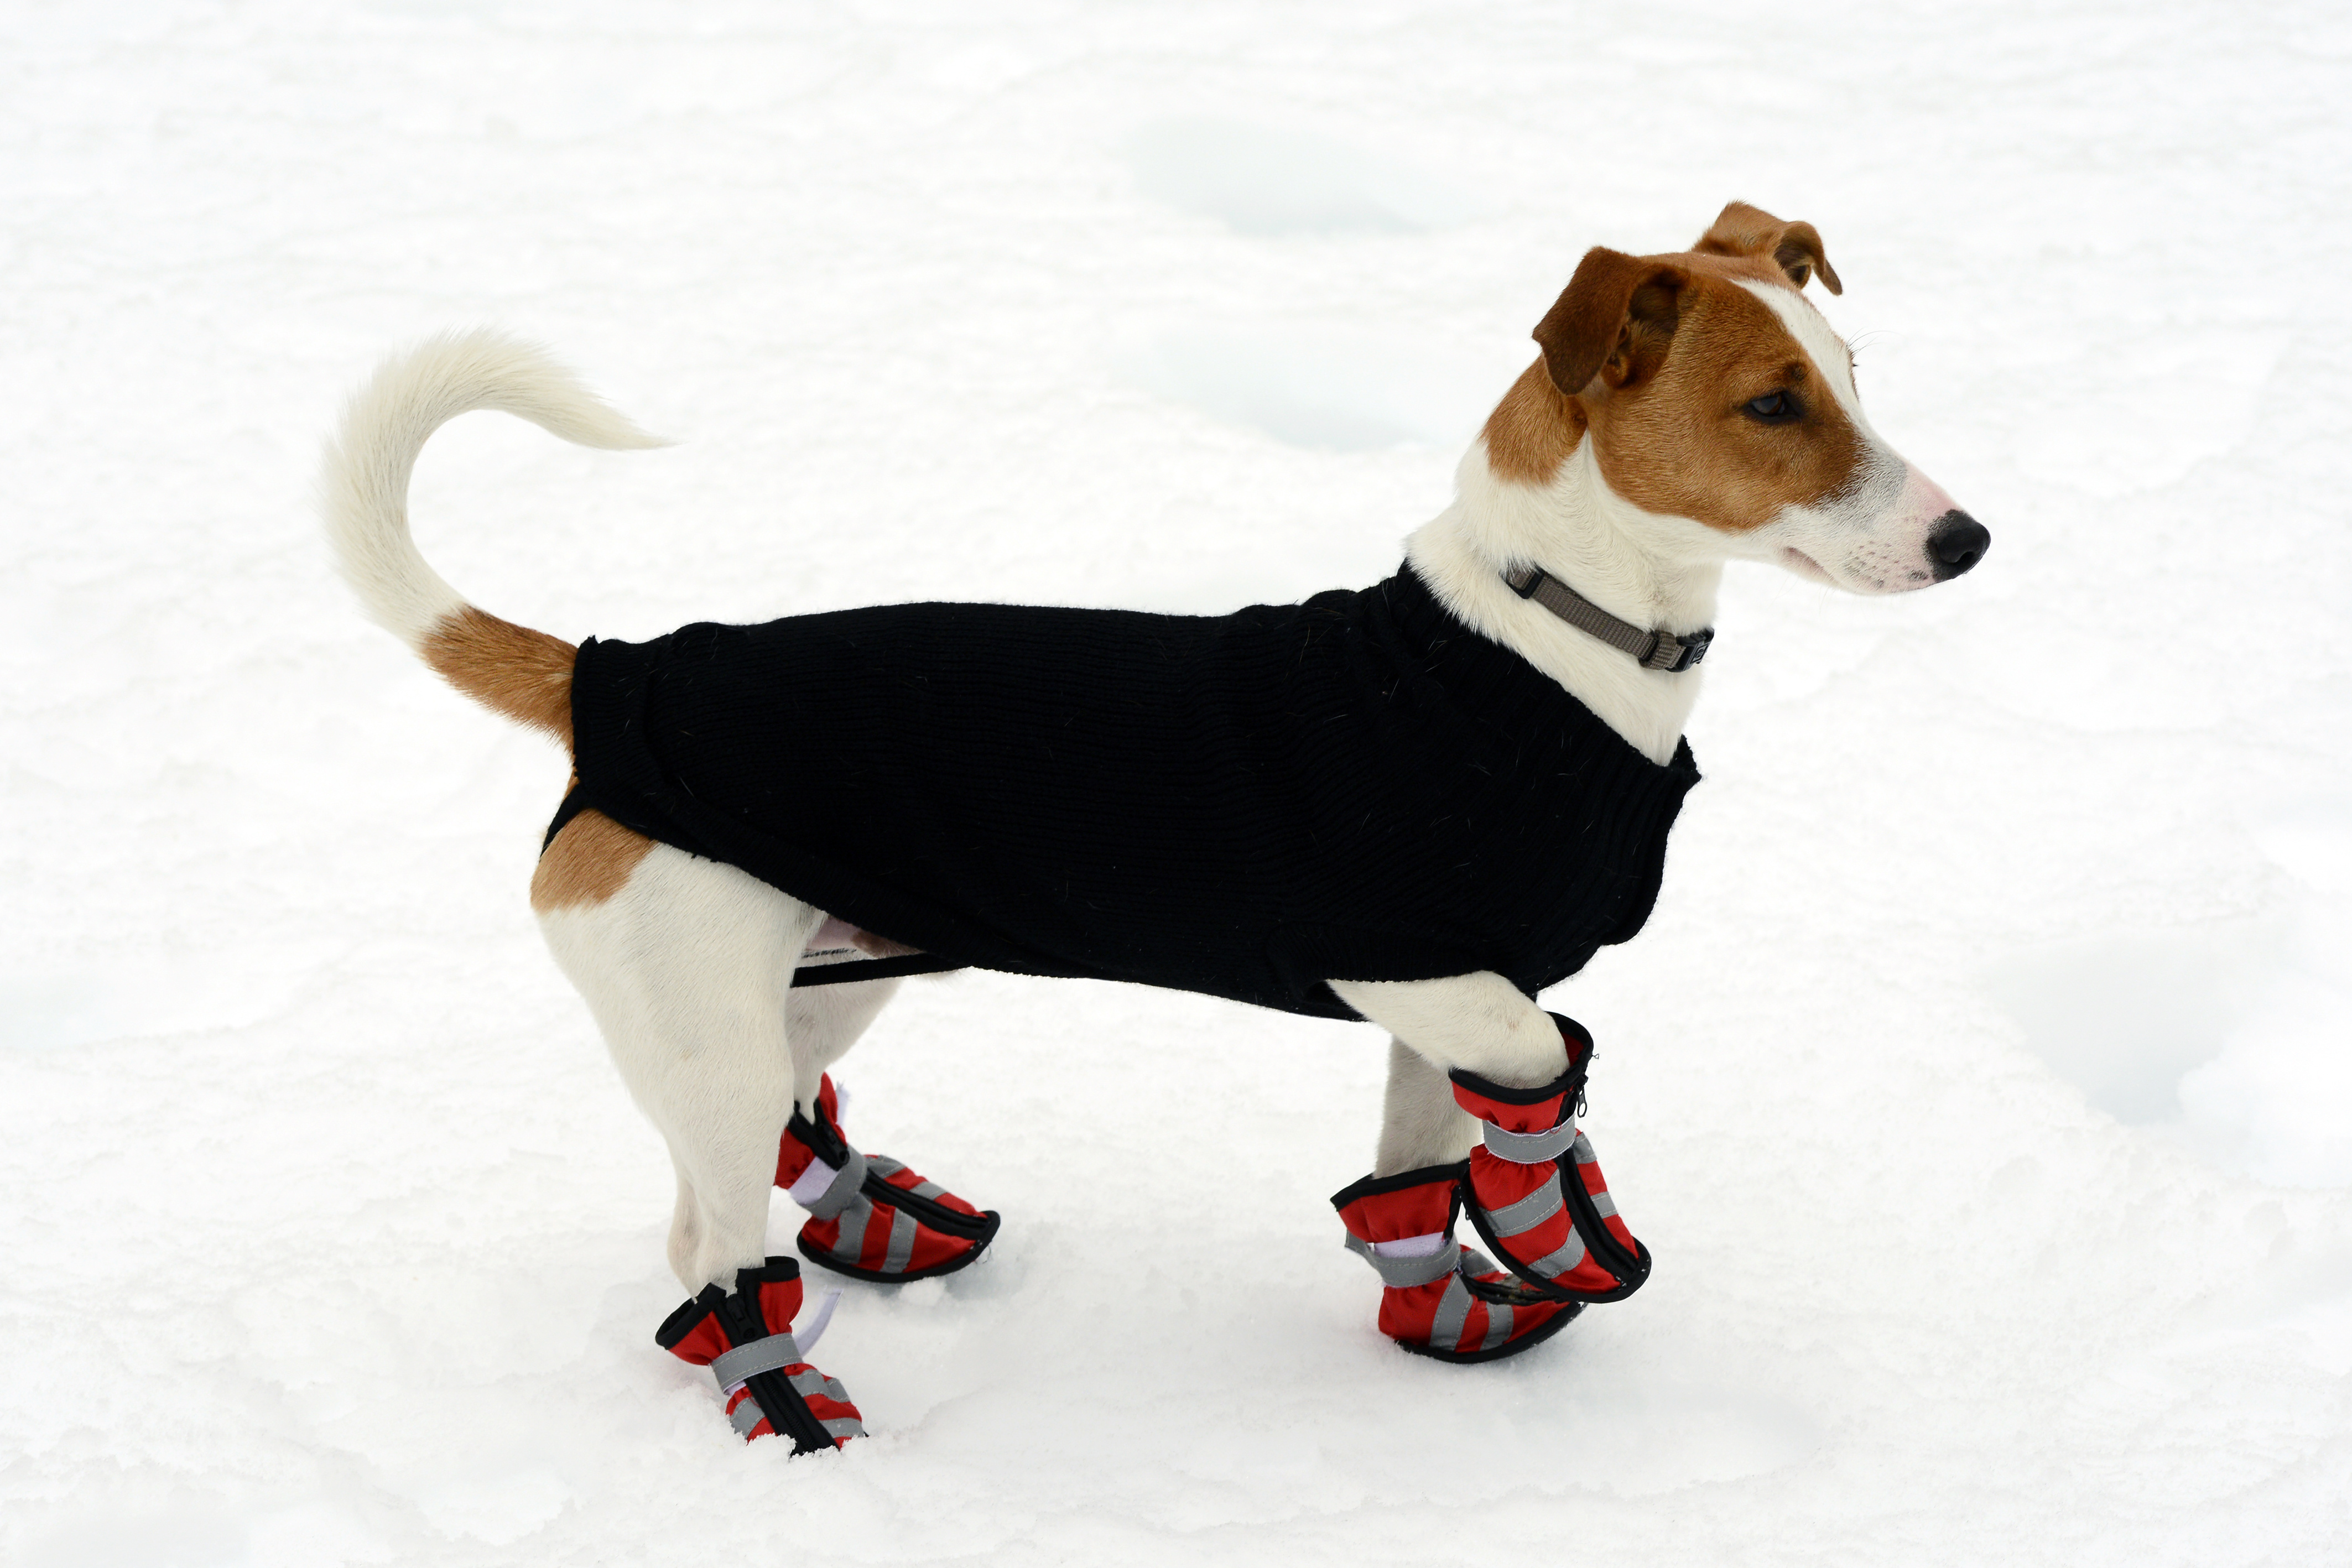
x=1615 y=320
x=1795 y=248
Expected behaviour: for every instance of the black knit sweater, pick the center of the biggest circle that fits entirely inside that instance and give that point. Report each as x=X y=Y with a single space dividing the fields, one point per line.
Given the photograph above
x=1355 y=788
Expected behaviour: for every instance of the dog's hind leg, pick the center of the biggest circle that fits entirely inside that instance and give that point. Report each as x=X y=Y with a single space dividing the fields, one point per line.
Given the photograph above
x=869 y=1216
x=823 y=1021
x=685 y=964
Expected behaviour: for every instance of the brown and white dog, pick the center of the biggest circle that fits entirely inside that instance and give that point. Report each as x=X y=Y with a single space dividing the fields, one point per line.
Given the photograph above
x=1687 y=410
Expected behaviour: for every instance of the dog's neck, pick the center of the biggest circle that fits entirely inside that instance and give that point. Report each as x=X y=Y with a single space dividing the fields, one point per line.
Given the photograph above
x=1584 y=534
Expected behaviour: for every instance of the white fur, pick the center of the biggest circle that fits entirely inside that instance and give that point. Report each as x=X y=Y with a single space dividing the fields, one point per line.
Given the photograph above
x=1654 y=571
x=1479 y=1022
x=1421 y=1125
x=687 y=971
x=363 y=490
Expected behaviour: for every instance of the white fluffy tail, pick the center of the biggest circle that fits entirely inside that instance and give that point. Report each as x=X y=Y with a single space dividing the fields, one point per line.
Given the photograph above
x=363 y=490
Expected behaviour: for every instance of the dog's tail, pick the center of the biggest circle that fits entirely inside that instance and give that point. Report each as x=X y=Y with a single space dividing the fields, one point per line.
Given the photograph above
x=363 y=493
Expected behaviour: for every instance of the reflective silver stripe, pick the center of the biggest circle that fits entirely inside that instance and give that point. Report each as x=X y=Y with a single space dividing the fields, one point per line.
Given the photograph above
x=1499 y=1325
x=1529 y=1211
x=837 y=1197
x=1453 y=1312
x=761 y=1355
x=1562 y=1261
x=902 y=1242
x=885 y=1167
x=1530 y=1149
x=851 y=1244
x=844 y=1427
x=1603 y=1204
x=813 y=1381
x=1403 y=1273
x=746 y=1415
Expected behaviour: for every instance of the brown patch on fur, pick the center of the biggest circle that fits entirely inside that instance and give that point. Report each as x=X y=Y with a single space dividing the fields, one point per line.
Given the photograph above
x=1676 y=442
x=1533 y=429
x=590 y=860
x=1617 y=312
x=508 y=669
x=1654 y=357
x=1795 y=248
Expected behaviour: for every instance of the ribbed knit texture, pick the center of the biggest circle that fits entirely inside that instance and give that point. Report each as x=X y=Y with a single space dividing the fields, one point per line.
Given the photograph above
x=1355 y=788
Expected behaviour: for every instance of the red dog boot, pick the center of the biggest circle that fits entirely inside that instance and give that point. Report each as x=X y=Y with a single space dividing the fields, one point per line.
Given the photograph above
x=1562 y=1238
x=1439 y=1297
x=745 y=1337
x=869 y=1216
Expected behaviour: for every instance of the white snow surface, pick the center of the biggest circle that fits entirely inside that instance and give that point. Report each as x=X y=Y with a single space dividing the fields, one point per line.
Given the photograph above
x=1981 y=1084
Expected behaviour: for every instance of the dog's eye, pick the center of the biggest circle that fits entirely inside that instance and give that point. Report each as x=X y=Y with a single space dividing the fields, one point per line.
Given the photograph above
x=1773 y=408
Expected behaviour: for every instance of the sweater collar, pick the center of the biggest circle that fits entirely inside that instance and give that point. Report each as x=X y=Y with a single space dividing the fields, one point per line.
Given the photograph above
x=1499 y=686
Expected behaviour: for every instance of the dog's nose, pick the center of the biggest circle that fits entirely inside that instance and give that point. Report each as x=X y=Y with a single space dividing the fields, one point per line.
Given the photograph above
x=1956 y=541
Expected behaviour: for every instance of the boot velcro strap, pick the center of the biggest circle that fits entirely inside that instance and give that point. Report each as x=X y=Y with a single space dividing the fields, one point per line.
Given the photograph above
x=1529 y=1148
x=1403 y=1273
x=842 y=1189
x=747 y=1361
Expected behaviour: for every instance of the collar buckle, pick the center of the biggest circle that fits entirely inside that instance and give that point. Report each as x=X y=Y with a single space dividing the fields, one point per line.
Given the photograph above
x=1675 y=655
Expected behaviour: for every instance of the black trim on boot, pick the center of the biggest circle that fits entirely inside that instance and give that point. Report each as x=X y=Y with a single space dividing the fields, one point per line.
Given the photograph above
x=1579 y=1041
x=788 y=1414
x=688 y=1316
x=820 y=1135
x=830 y=1145
x=977 y=1228
x=982 y=1232
x=1630 y=1267
x=1376 y=1185
x=1518 y=1268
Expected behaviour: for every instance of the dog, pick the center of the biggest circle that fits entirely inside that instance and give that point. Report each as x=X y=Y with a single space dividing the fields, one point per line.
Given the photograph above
x=1416 y=804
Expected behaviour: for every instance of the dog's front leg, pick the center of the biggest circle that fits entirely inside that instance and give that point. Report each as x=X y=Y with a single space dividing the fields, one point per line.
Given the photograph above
x=1477 y=1023
x=1481 y=1023
x=1482 y=1087
x=1421 y=1124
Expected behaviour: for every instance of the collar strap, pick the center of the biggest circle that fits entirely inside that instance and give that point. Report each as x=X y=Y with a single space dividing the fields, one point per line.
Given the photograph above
x=1652 y=649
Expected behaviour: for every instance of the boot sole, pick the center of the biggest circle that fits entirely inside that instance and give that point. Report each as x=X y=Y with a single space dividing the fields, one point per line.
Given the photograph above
x=1528 y=1341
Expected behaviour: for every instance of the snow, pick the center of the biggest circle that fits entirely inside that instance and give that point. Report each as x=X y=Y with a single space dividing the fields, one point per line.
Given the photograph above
x=1980 y=1083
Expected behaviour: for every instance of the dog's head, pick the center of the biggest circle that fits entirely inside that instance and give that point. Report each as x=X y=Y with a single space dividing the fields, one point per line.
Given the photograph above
x=1721 y=409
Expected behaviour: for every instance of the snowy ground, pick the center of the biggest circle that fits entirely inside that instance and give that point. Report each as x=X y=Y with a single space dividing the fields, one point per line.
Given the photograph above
x=1979 y=1084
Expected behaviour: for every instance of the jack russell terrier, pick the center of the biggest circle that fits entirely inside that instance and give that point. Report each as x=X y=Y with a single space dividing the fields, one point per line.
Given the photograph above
x=1418 y=803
